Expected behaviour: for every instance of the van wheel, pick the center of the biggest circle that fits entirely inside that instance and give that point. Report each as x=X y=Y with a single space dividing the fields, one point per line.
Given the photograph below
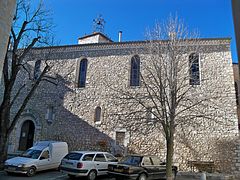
x=142 y=177
x=92 y=175
x=31 y=171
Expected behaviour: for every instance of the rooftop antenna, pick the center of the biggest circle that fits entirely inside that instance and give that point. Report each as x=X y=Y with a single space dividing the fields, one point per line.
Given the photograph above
x=98 y=24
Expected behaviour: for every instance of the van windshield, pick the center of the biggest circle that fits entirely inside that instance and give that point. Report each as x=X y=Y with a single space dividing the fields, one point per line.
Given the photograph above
x=32 y=153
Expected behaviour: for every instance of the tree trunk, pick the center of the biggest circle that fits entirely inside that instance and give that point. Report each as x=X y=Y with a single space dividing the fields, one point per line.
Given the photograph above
x=3 y=147
x=169 y=158
x=4 y=123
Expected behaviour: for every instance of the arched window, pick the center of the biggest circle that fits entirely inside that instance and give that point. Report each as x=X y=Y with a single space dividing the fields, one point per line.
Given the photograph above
x=194 y=72
x=135 y=71
x=97 y=117
x=37 y=70
x=82 y=73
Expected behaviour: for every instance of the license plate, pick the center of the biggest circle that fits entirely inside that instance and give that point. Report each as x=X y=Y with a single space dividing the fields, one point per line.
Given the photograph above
x=118 y=170
x=68 y=163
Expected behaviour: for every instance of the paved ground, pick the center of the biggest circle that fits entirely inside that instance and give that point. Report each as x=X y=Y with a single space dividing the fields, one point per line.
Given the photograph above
x=56 y=175
x=46 y=175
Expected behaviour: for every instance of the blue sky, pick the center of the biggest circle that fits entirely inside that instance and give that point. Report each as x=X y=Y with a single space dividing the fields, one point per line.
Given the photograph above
x=74 y=18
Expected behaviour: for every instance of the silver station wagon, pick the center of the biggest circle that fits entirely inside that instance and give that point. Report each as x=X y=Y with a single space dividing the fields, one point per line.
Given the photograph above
x=87 y=163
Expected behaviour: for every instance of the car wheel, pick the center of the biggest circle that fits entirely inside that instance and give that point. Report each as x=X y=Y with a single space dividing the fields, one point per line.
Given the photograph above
x=31 y=172
x=71 y=176
x=142 y=177
x=92 y=175
x=9 y=173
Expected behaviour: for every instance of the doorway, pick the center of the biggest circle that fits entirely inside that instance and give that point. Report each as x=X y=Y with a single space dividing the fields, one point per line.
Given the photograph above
x=26 y=136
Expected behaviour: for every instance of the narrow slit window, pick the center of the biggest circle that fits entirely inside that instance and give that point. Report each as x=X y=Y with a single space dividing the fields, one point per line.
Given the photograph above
x=135 y=71
x=194 y=72
x=97 y=117
x=37 y=70
x=82 y=73
x=236 y=92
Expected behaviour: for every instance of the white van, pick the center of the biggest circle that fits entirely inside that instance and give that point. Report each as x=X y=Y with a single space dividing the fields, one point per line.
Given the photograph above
x=42 y=156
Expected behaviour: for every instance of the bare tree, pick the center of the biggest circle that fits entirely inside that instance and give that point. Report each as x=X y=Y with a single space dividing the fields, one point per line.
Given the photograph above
x=31 y=27
x=169 y=93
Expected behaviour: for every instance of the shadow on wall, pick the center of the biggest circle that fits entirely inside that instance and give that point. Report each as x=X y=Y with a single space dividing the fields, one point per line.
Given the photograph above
x=69 y=127
x=219 y=152
x=225 y=154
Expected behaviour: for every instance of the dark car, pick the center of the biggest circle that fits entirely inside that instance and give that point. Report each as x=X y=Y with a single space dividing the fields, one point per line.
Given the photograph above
x=140 y=168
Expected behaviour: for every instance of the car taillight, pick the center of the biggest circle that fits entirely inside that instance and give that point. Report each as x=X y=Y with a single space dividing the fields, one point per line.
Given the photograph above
x=79 y=165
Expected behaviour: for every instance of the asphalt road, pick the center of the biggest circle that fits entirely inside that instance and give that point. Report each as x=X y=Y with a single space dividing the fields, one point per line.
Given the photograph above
x=56 y=175
x=46 y=175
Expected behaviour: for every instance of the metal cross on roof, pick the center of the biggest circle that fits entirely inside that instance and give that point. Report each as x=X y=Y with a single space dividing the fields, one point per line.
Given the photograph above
x=98 y=24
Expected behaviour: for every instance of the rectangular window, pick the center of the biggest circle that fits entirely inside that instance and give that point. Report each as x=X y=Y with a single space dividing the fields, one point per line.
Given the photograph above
x=120 y=137
x=50 y=115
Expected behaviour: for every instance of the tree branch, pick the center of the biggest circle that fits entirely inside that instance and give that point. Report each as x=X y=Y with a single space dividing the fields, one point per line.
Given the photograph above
x=26 y=100
x=17 y=94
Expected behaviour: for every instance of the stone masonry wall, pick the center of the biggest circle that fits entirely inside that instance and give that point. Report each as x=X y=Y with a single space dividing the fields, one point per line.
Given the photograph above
x=74 y=109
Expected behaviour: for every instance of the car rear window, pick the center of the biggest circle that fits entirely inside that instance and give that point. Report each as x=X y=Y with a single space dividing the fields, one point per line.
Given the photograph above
x=155 y=161
x=110 y=158
x=147 y=161
x=131 y=160
x=73 y=156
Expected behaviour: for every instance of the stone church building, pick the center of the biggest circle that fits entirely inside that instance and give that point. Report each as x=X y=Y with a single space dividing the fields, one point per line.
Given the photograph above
x=80 y=107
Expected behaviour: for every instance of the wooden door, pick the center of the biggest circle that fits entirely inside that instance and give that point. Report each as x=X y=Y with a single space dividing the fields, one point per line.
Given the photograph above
x=26 y=136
